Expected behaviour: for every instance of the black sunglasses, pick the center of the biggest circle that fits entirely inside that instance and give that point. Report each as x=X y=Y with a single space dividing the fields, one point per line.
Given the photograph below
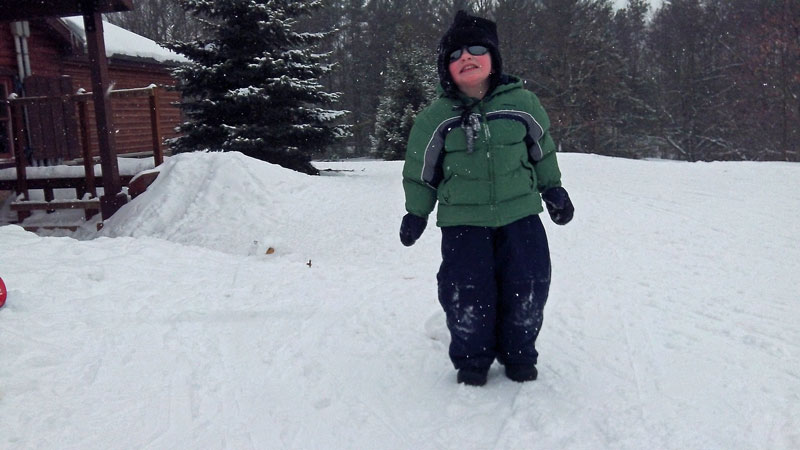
x=474 y=50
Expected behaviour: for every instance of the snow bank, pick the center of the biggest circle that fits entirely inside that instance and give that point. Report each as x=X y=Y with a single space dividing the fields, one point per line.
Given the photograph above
x=222 y=201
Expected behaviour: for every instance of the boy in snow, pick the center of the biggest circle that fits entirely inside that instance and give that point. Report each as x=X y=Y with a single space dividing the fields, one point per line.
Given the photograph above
x=483 y=151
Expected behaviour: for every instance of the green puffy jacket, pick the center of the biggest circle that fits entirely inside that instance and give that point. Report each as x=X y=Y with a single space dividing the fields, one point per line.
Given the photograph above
x=491 y=180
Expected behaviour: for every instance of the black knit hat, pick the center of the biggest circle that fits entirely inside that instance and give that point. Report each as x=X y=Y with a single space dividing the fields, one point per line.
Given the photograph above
x=468 y=30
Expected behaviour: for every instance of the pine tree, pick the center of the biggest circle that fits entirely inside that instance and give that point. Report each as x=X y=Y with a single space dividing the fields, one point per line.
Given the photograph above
x=768 y=40
x=637 y=118
x=253 y=85
x=159 y=20
x=693 y=62
x=515 y=19
x=409 y=84
x=579 y=74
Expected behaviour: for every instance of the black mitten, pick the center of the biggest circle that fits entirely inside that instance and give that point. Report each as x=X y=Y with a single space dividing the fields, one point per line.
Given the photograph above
x=411 y=229
x=558 y=205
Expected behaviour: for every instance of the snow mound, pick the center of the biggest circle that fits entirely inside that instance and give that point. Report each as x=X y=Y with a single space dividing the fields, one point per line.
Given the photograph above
x=222 y=201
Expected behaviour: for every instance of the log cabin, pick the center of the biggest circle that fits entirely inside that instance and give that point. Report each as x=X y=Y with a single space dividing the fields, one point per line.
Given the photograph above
x=48 y=56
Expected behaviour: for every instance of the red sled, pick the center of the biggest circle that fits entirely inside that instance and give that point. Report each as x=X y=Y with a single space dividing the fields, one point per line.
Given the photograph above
x=2 y=293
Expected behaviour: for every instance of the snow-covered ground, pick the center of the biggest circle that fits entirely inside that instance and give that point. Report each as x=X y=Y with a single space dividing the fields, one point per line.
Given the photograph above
x=672 y=321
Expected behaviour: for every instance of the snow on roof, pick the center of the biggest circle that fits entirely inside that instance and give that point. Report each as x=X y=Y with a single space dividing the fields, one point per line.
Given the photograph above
x=120 y=41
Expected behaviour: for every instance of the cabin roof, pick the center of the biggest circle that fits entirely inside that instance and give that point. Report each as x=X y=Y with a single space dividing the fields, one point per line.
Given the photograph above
x=120 y=42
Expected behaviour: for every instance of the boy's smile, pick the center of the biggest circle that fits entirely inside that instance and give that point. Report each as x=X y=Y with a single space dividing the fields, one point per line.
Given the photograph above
x=471 y=73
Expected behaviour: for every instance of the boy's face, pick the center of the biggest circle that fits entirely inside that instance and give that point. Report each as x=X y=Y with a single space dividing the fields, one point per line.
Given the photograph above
x=470 y=71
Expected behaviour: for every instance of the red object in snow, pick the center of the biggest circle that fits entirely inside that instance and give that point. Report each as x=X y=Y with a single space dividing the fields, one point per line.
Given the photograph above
x=2 y=293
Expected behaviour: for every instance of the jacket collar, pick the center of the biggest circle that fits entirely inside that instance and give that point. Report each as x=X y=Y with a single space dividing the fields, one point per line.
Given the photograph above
x=505 y=84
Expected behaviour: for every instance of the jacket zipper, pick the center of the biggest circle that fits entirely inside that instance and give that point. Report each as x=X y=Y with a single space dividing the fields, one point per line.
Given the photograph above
x=487 y=135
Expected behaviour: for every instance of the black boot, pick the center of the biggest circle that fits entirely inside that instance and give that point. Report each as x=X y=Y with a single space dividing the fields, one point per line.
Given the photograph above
x=472 y=377
x=521 y=374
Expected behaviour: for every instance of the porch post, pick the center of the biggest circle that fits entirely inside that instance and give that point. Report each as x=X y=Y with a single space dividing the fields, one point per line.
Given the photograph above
x=158 y=151
x=112 y=198
x=20 y=160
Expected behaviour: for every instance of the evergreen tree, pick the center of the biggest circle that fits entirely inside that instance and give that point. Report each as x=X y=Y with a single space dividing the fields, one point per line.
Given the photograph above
x=579 y=72
x=637 y=118
x=409 y=84
x=694 y=62
x=159 y=20
x=515 y=19
x=361 y=81
x=768 y=78
x=253 y=85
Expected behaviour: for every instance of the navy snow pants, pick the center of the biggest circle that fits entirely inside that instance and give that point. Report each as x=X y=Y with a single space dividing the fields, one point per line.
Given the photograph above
x=493 y=285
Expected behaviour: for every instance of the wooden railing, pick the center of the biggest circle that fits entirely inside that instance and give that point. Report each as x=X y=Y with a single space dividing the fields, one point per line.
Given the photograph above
x=86 y=185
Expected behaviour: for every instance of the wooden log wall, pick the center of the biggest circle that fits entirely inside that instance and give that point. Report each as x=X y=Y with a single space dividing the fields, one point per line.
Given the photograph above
x=50 y=58
x=132 y=115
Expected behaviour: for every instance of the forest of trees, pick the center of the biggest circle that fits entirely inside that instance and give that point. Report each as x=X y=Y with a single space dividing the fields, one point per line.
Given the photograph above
x=695 y=80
